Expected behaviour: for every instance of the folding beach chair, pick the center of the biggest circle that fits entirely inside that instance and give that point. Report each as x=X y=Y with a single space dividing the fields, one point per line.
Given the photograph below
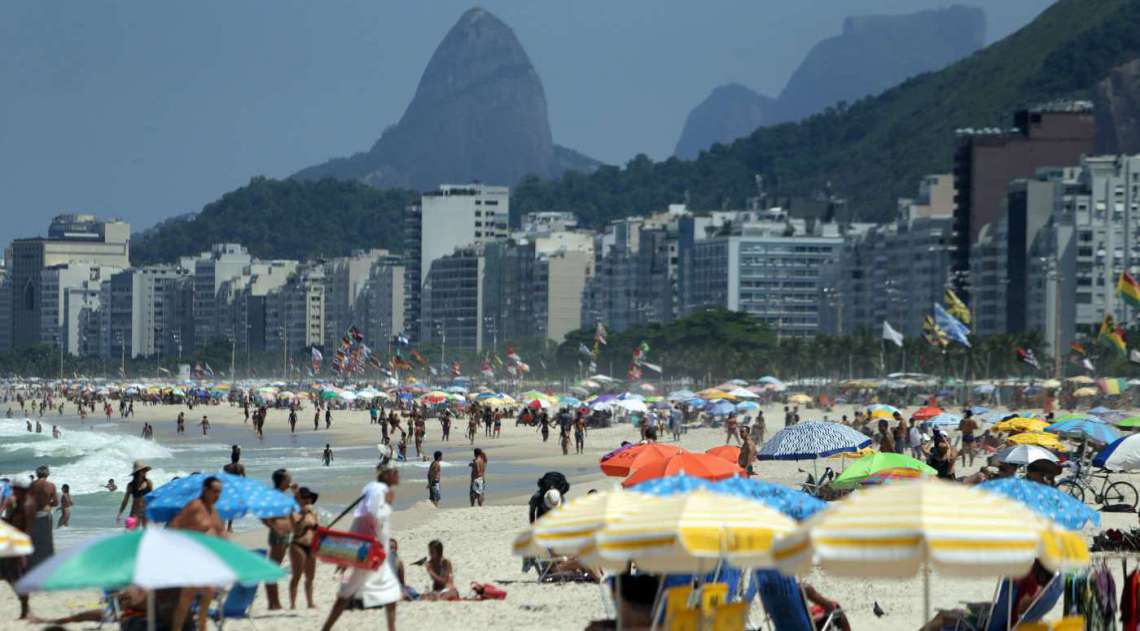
x=784 y=602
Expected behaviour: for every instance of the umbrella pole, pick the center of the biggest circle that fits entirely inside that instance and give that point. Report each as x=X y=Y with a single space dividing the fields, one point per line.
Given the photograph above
x=658 y=604
x=925 y=592
x=150 y=611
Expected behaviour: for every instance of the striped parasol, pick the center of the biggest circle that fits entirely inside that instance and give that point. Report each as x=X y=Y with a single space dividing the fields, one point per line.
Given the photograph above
x=692 y=532
x=811 y=440
x=570 y=529
x=896 y=529
x=13 y=543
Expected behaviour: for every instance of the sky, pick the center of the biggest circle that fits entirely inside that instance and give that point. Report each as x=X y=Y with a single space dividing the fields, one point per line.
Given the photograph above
x=144 y=110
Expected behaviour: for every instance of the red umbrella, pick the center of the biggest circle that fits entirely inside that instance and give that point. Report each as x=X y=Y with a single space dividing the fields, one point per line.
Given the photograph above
x=622 y=462
x=927 y=412
x=730 y=453
x=704 y=466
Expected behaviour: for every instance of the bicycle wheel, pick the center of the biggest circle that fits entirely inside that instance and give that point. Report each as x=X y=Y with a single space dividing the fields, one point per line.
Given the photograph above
x=1121 y=493
x=1073 y=489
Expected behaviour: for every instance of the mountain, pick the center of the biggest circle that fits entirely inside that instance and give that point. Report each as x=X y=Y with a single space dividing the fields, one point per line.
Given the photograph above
x=874 y=150
x=283 y=219
x=479 y=113
x=1116 y=102
x=729 y=112
x=876 y=52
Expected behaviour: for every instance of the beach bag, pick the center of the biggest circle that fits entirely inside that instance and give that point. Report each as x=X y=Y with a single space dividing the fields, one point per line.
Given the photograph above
x=488 y=591
x=347 y=549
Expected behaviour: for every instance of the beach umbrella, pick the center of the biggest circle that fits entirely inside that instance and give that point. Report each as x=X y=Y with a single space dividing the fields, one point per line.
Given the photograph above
x=570 y=528
x=435 y=397
x=1041 y=439
x=889 y=409
x=712 y=394
x=699 y=465
x=882 y=413
x=1094 y=431
x=730 y=453
x=1100 y=409
x=693 y=533
x=799 y=399
x=741 y=393
x=887 y=475
x=1051 y=383
x=1085 y=392
x=1130 y=422
x=1045 y=501
x=240 y=495
x=1021 y=424
x=681 y=395
x=897 y=529
x=769 y=381
x=1023 y=455
x=945 y=419
x=925 y=413
x=13 y=542
x=569 y=401
x=812 y=439
x=859 y=470
x=747 y=406
x=150 y=558
x=795 y=504
x=621 y=462
x=721 y=408
x=633 y=405
x=1120 y=455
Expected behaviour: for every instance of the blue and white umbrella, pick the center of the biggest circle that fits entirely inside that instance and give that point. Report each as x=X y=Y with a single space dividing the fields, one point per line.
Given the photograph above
x=1079 y=427
x=1120 y=455
x=1045 y=501
x=239 y=496
x=681 y=395
x=721 y=408
x=747 y=406
x=813 y=439
x=795 y=504
x=944 y=419
x=892 y=410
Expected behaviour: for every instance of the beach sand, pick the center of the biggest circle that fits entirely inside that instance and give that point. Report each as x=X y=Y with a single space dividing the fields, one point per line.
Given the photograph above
x=478 y=541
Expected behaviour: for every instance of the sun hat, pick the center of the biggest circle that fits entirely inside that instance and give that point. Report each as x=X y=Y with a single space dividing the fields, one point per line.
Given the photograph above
x=139 y=466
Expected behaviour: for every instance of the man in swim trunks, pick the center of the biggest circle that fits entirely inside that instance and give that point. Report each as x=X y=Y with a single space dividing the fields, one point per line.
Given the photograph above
x=478 y=477
x=433 y=477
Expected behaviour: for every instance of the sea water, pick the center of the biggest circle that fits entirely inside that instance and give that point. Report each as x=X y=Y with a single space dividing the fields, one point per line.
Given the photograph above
x=90 y=452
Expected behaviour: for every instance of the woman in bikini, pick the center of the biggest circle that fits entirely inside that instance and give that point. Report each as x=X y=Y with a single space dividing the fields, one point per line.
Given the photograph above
x=136 y=492
x=301 y=558
x=442 y=577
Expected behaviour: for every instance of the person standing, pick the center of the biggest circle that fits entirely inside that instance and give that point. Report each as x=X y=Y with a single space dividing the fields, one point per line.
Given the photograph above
x=328 y=417
x=478 y=477
x=730 y=432
x=317 y=419
x=302 y=561
x=886 y=438
x=200 y=515
x=235 y=467
x=205 y=425
x=280 y=535
x=445 y=425
x=914 y=441
x=379 y=587
x=579 y=433
x=65 y=504
x=327 y=456
x=44 y=498
x=747 y=452
x=136 y=492
x=180 y=427
x=19 y=516
x=433 y=477
x=292 y=421
x=968 y=426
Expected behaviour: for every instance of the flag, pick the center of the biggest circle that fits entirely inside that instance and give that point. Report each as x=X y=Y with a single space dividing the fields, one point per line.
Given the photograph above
x=954 y=329
x=1128 y=289
x=486 y=369
x=209 y=371
x=932 y=333
x=1028 y=357
x=644 y=347
x=498 y=360
x=455 y=369
x=593 y=366
x=1112 y=335
x=891 y=335
x=1088 y=365
x=399 y=363
x=1134 y=356
x=583 y=349
x=600 y=334
x=512 y=355
x=654 y=367
x=317 y=356
x=355 y=333
x=634 y=372
x=523 y=367
x=163 y=370
x=1112 y=386
x=402 y=338
x=419 y=358
x=956 y=307
x=1078 y=348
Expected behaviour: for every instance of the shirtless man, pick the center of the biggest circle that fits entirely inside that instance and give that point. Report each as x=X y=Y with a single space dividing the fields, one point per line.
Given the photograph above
x=280 y=535
x=478 y=477
x=199 y=515
x=747 y=451
x=181 y=423
x=44 y=498
x=442 y=576
x=235 y=467
x=205 y=423
x=19 y=516
x=433 y=476
x=445 y=425
x=968 y=426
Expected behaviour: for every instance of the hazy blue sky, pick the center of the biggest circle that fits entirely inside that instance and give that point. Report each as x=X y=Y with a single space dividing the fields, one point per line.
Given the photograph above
x=144 y=110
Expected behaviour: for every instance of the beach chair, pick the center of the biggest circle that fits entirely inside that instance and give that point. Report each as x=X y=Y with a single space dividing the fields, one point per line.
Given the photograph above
x=685 y=620
x=730 y=617
x=784 y=602
x=1046 y=599
x=676 y=601
x=235 y=605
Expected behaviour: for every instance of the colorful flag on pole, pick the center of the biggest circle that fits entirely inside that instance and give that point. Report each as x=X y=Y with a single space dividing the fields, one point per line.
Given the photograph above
x=1128 y=289
x=954 y=330
x=1078 y=349
x=1028 y=357
x=512 y=355
x=419 y=358
x=1112 y=335
x=934 y=335
x=891 y=335
x=600 y=334
x=956 y=307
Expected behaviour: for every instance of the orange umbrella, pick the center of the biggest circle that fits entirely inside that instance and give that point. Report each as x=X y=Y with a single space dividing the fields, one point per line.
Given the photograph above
x=622 y=462
x=730 y=453
x=927 y=413
x=704 y=466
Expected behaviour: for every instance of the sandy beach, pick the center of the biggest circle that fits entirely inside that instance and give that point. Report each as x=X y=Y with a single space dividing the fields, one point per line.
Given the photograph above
x=478 y=540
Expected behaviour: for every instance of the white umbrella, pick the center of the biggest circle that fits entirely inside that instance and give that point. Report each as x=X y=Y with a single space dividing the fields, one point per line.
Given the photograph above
x=633 y=405
x=1022 y=455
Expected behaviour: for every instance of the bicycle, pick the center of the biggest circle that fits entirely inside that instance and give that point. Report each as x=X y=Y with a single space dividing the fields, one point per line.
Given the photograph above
x=813 y=487
x=1110 y=494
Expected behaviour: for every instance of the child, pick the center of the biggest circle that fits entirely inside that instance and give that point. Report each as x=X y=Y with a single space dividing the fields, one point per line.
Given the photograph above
x=65 y=504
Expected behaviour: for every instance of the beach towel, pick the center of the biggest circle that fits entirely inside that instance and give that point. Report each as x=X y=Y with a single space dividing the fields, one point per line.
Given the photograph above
x=488 y=591
x=42 y=543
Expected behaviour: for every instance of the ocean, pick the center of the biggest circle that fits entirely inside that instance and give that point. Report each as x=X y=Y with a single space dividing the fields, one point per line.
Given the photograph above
x=91 y=452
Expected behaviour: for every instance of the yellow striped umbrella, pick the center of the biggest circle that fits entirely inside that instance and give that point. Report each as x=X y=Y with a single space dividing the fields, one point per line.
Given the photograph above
x=13 y=543
x=692 y=532
x=1041 y=439
x=1021 y=424
x=896 y=529
x=570 y=529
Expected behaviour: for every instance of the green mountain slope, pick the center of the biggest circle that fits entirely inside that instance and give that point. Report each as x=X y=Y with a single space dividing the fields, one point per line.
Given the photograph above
x=286 y=219
x=872 y=151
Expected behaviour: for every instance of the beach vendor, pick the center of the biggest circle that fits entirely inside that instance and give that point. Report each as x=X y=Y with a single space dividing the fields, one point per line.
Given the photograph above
x=379 y=587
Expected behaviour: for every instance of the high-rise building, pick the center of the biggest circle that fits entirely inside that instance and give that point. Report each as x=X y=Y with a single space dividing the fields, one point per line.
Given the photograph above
x=985 y=160
x=73 y=238
x=65 y=291
x=214 y=271
x=633 y=276
x=452 y=299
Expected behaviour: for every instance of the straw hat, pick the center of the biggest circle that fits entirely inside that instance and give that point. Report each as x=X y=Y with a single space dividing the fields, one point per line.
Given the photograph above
x=139 y=467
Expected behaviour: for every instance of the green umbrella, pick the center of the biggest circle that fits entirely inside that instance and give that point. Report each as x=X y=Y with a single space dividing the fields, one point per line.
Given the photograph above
x=151 y=558
x=1130 y=422
x=870 y=464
